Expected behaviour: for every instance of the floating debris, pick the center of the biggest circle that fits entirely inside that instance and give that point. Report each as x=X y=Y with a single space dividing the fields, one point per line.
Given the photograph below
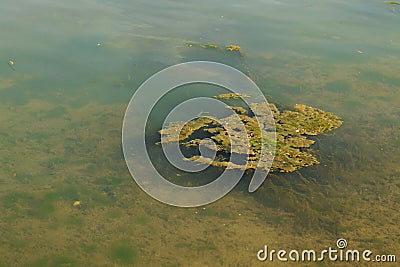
x=392 y=3
x=233 y=48
x=213 y=46
x=230 y=95
x=11 y=63
x=291 y=143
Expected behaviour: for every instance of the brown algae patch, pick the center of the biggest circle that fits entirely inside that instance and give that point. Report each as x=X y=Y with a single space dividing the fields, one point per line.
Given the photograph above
x=292 y=129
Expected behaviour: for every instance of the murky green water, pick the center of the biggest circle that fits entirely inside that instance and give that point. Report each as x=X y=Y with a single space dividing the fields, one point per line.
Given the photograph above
x=77 y=64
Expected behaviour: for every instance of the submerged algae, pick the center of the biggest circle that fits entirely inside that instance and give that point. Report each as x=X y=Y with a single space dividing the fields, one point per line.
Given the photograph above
x=291 y=143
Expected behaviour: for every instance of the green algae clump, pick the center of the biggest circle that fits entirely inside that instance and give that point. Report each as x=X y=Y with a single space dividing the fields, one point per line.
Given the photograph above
x=290 y=142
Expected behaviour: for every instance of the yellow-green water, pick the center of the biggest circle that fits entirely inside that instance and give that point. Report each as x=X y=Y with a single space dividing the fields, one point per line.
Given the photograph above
x=78 y=63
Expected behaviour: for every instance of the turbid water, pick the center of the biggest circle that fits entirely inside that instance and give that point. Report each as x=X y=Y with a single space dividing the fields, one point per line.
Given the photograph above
x=78 y=63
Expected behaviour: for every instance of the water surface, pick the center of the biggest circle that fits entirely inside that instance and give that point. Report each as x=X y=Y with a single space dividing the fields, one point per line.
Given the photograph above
x=79 y=62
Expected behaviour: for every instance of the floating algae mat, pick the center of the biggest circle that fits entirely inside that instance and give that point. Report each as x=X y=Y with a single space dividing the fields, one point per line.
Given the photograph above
x=292 y=147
